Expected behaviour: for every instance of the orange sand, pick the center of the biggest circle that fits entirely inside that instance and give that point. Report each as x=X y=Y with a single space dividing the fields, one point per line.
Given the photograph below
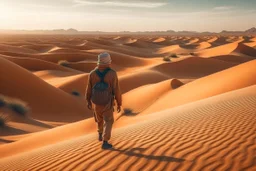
x=196 y=112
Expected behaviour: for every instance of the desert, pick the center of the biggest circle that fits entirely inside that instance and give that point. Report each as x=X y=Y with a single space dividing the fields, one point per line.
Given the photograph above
x=189 y=102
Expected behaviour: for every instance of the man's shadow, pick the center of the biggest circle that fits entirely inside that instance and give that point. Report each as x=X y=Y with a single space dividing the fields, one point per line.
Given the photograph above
x=137 y=152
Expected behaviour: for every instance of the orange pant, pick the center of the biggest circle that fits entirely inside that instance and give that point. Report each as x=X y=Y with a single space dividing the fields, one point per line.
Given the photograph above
x=105 y=119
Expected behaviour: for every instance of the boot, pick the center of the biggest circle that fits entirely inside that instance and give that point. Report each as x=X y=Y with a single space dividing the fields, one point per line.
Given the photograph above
x=106 y=145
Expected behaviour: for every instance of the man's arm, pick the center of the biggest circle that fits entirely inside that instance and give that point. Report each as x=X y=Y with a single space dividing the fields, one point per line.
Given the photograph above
x=89 y=92
x=117 y=92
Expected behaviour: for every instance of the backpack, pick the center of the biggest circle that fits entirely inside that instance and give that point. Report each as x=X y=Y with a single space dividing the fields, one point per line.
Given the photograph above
x=100 y=93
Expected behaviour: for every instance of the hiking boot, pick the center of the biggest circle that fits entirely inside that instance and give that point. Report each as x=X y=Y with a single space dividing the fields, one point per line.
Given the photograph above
x=106 y=145
x=100 y=137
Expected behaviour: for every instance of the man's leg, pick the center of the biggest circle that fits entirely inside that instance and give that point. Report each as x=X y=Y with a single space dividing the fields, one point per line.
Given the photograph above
x=107 y=128
x=99 y=119
x=100 y=126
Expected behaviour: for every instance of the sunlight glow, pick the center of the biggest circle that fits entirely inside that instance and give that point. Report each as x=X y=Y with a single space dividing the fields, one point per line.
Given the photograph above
x=122 y=15
x=120 y=4
x=6 y=12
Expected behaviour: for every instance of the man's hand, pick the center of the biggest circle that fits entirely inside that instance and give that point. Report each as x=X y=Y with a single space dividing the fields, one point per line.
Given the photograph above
x=89 y=105
x=118 y=109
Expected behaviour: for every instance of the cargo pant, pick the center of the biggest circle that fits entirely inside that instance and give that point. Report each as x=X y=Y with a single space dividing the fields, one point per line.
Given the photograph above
x=105 y=118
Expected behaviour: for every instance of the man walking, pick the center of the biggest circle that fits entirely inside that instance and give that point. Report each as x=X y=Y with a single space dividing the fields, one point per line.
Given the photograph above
x=102 y=89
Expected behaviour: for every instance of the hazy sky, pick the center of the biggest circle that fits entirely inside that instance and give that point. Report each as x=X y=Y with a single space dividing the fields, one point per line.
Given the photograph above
x=128 y=15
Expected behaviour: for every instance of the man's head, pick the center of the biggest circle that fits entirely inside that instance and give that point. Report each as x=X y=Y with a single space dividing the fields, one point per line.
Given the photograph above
x=104 y=59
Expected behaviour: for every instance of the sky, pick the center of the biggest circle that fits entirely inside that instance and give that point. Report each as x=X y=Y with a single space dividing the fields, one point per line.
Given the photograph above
x=128 y=15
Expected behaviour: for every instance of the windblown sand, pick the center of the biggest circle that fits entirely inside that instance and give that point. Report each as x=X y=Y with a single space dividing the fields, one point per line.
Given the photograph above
x=194 y=112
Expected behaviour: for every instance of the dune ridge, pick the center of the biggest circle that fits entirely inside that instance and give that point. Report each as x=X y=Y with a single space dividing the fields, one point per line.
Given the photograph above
x=148 y=95
x=37 y=64
x=208 y=86
x=47 y=102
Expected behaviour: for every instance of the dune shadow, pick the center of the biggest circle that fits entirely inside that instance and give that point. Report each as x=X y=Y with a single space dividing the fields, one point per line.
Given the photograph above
x=34 y=122
x=137 y=152
x=127 y=112
x=130 y=114
x=5 y=141
x=6 y=131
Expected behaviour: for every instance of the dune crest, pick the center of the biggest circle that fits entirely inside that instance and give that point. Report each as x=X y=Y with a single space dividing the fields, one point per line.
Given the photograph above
x=148 y=95
x=44 y=100
x=208 y=86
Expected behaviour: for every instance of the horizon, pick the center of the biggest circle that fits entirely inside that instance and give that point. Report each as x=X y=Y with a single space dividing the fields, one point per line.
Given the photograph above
x=122 y=15
x=61 y=29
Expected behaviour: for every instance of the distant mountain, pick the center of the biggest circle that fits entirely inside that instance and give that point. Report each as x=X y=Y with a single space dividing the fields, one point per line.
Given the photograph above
x=72 y=31
x=231 y=32
x=170 y=31
x=251 y=30
x=184 y=32
x=62 y=31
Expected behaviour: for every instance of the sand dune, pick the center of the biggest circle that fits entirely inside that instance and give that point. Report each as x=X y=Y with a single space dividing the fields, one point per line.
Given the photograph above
x=128 y=50
x=234 y=58
x=228 y=49
x=84 y=66
x=208 y=86
x=55 y=57
x=10 y=48
x=182 y=114
x=213 y=39
x=49 y=74
x=70 y=84
x=194 y=67
x=251 y=44
x=141 y=44
x=102 y=41
x=71 y=57
x=125 y=40
x=243 y=49
x=219 y=50
x=196 y=45
x=125 y=60
x=148 y=95
x=166 y=42
x=172 y=49
x=62 y=50
x=236 y=39
x=51 y=136
x=204 y=45
x=253 y=39
x=140 y=78
x=37 y=64
x=46 y=102
x=42 y=48
x=22 y=127
x=194 y=40
x=184 y=138
x=160 y=39
x=219 y=40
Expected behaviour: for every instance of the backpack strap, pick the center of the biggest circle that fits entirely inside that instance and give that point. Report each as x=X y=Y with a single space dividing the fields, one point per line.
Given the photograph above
x=102 y=74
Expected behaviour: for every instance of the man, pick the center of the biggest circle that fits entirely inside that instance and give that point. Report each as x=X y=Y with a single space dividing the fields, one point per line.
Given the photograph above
x=103 y=76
